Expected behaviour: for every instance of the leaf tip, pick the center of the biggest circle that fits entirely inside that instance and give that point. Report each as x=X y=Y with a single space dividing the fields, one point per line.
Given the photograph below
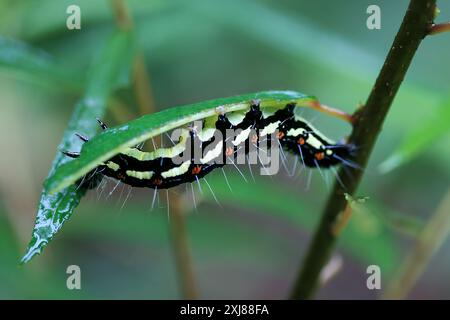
x=32 y=250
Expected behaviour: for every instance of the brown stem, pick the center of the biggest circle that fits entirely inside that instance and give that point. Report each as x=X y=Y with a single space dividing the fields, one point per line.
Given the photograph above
x=119 y=110
x=123 y=17
x=316 y=105
x=181 y=246
x=367 y=125
x=142 y=86
x=439 y=28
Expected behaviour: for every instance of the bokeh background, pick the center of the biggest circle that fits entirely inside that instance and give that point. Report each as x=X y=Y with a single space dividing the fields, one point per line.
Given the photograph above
x=199 y=50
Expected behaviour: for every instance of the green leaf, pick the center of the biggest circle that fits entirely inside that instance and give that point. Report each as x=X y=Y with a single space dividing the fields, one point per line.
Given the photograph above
x=419 y=140
x=115 y=140
x=54 y=209
x=365 y=237
x=36 y=65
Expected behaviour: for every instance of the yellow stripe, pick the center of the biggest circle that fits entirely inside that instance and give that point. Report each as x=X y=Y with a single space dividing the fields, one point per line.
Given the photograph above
x=314 y=142
x=270 y=128
x=208 y=130
x=113 y=166
x=160 y=153
x=141 y=175
x=178 y=171
x=295 y=132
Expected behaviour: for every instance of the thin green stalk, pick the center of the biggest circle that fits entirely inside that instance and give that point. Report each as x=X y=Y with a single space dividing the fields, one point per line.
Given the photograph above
x=141 y=78
x=368 y=122
x=146 y=104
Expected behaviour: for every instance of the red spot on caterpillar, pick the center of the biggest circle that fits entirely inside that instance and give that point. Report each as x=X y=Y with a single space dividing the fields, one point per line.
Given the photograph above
x=320 y=155
x=280 y=135
x=301 y=141
x=229 y=151
x=196 y=169
x=157 y=182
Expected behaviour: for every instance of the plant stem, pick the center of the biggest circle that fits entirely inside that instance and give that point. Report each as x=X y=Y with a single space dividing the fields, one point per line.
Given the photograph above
x=145 y=101
x=337 y=113
x=181 y=247
x=120 y=112
x=439 y=28
x=367 y=125
x=141 y=79
x=142 y=86
x=123 y=18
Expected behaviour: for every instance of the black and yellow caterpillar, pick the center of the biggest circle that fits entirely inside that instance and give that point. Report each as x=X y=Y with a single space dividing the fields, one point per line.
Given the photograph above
x=159 y=170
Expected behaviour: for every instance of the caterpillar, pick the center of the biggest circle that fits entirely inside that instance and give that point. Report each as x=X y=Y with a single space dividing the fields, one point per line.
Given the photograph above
x=161 y=168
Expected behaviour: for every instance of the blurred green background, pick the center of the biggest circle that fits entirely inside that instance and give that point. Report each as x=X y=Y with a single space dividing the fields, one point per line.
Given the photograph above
x=199 y=50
